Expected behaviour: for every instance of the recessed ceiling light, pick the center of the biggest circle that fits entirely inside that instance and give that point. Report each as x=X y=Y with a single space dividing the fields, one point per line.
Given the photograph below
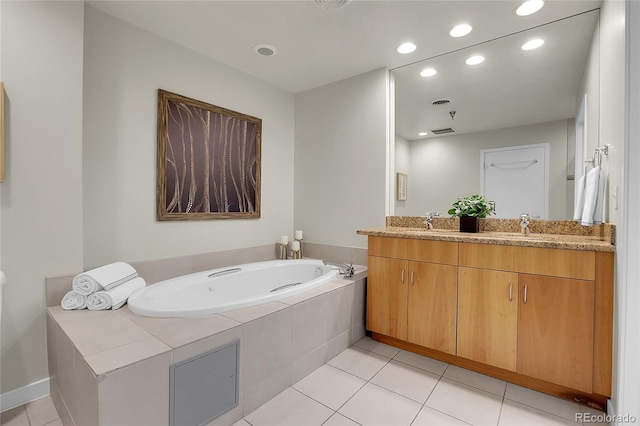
x=460 y=30
x=475 y=60
x=533 y=44
x=529 y=7
x=405 y=48
x=428 y=72
x=265 y=49
x=423 y=134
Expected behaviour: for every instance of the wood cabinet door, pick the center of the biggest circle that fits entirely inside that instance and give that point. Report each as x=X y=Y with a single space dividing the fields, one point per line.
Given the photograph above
x=488 y=316
x=387 y=282
x=432 y=306
x=555 y=330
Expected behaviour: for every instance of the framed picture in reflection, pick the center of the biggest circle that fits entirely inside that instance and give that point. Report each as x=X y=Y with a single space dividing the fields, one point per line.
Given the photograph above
x=401 y=186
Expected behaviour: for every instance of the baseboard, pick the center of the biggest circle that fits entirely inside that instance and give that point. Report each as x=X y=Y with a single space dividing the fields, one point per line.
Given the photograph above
x=611 y=412
x=24 y=394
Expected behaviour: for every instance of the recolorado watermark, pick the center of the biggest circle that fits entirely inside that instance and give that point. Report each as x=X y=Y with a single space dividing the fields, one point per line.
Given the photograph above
x=605 y=418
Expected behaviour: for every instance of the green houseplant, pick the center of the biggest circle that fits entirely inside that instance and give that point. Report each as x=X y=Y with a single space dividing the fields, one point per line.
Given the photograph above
x=470 y=209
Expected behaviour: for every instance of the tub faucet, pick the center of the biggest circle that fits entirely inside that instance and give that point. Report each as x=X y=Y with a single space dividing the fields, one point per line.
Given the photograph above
x=429 y=219
x=524 y=223
x=345 y=269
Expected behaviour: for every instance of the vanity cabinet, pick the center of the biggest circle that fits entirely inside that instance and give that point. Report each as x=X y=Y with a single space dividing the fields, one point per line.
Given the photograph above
x=409 y=297
x=488 y=316
x=536 y=316
x=541 y=322
x=556 y=329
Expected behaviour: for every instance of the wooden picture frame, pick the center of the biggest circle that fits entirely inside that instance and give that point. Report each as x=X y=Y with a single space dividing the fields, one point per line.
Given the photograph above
x=208 y=161
x=2 y=172
x=401 y=186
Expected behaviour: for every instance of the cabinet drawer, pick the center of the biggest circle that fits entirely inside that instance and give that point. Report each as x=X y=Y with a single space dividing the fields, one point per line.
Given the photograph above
x=556 y=262
x=411 y=249
x=487 y=256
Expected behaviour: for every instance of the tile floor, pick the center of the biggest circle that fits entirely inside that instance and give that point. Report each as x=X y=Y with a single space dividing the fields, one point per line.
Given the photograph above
x=371 y=383
x=40 y=412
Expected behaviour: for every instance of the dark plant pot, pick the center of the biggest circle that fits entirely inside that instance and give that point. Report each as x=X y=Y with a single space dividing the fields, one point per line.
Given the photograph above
x=469 y=224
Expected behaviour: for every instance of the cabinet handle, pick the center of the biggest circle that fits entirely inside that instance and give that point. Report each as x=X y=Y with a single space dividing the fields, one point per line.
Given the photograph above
x=510 y=292
x=412 y=277
x=402 y=278
x=525 y=293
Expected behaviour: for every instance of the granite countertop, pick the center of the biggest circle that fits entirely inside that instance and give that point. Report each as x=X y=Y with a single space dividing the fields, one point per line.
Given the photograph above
x=501 y=232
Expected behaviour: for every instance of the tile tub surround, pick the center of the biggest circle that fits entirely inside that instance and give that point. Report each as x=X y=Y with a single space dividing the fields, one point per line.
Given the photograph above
x=112 y=367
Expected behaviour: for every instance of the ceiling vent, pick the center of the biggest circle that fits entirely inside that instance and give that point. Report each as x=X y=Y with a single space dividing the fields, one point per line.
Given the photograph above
x=443 y=131
x=440 y=102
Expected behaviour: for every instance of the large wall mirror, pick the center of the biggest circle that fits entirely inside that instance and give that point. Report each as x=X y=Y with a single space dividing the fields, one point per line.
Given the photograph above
x=498 y=109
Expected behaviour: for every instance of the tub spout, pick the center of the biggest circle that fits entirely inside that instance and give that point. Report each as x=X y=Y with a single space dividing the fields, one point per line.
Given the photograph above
x=345 y=269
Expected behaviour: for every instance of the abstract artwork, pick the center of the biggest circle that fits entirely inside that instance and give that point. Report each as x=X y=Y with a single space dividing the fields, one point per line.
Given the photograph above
x=208 y=161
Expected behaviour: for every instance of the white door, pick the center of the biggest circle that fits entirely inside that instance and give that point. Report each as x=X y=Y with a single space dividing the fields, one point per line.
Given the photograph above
x=517 y=179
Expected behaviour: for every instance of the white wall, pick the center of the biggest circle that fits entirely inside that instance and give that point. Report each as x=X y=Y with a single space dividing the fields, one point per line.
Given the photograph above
x=42 y=194
x=590 y=85
x=626 y=392
x=443 y=168
x=124 y=67
x=340 y=159
x=612 y=96
x=402 y=161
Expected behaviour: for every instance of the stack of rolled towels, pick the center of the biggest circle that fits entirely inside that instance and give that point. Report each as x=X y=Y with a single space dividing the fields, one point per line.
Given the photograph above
x=106 y=287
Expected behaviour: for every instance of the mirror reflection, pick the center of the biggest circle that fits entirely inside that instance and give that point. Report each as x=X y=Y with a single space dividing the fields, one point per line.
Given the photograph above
x=496 y=119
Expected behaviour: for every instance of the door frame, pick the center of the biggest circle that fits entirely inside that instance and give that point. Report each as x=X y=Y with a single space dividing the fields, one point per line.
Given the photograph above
x=547 y=150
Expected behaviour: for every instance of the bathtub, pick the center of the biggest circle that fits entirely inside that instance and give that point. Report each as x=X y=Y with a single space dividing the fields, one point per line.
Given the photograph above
x=233 y=287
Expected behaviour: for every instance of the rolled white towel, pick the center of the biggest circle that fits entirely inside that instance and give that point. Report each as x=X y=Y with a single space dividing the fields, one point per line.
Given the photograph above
x=74 y=300
x=116 y=297
x=103 y=278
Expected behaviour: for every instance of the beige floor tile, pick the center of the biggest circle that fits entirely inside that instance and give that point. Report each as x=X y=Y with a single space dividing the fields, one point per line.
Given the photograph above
x=477 y=380
x=430 y=417
x=359 y=362
x=339 y=420
x=330 y=386
x=14 y=417
x=422 y=362
x=41 y=411
x=377 y=347
x=516 y=414
x=406 y=380
x=542 y=401
x=290 y=408
x=466 y=403
x=373 y=405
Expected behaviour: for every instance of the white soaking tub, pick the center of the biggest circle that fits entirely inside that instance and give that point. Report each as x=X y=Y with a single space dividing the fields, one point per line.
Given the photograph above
x=233 y=287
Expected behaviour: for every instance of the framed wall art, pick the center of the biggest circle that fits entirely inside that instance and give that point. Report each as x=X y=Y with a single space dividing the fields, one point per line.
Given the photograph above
x=401 y=186
x=208 y=161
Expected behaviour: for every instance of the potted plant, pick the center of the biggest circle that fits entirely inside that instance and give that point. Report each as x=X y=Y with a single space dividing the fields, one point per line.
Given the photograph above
x=470 y=209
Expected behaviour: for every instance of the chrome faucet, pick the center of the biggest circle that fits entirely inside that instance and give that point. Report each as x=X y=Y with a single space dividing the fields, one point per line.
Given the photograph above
x=429 y=219
x=345 y=269
x=524 y=223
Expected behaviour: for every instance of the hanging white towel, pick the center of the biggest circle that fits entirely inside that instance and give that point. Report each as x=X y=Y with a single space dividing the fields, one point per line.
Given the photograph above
x=73 y=300
x=597 y=214
x=579 y=203
x=103 y=278
x=591 y=195
x=116 y=297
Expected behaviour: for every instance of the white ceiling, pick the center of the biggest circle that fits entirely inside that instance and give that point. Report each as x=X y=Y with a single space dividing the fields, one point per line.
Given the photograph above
x=317 y=46
x=510 y=88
